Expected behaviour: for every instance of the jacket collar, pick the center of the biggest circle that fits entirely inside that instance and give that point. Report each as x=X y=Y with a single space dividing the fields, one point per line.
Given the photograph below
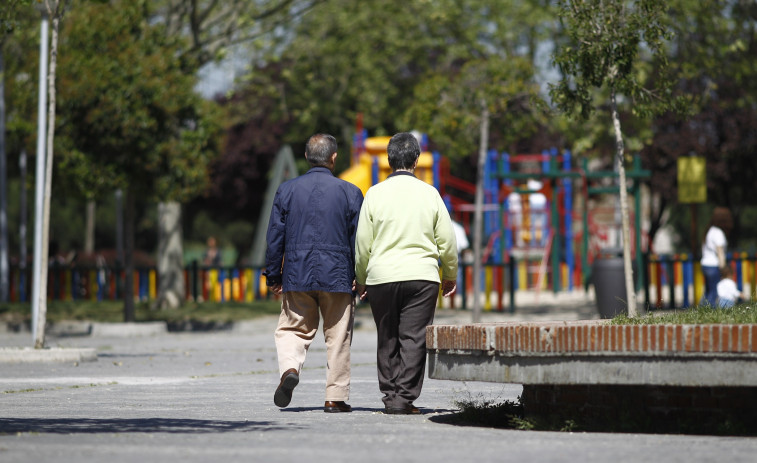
x=401 y=172
x=320 y=169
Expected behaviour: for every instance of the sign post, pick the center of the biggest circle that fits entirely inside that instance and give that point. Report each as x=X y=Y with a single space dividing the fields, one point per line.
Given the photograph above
x=692 y=189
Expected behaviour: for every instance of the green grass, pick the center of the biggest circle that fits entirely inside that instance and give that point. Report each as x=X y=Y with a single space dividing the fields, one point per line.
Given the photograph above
x=739 y=314
x=504 y=414
x=113 y=311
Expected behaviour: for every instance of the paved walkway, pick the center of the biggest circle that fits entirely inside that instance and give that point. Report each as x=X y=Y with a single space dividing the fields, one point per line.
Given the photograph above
x=209 y=397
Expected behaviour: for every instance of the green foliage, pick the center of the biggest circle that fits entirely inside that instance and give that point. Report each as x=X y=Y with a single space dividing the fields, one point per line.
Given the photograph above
x=448 y=107
x=348 y=57
x=8 y=15
x=603 y=49
x=128 y=114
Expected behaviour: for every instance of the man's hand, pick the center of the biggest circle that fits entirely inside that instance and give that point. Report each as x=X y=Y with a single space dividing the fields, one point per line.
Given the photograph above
x=276 y=289
x=361 y=292
x=448 y=287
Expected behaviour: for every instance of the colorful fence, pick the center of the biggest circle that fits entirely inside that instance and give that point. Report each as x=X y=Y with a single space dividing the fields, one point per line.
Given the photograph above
x=220 y=284
x=674 y=281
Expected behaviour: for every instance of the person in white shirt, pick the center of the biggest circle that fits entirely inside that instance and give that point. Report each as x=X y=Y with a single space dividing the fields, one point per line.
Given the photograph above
x=728 y=293
x=714 y=252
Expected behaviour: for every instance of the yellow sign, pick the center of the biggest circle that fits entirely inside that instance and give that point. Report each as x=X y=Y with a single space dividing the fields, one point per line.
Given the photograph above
x=692 y=179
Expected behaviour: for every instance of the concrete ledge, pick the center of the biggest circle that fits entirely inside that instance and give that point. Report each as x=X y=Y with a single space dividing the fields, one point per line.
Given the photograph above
x=595 y=353
x=127 y=330
x=70 y=328
x=55 y=354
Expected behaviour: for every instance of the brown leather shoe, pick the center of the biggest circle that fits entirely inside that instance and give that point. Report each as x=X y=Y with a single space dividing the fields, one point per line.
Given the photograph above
x=336 y=407
x=289 y=381
x=410 y=409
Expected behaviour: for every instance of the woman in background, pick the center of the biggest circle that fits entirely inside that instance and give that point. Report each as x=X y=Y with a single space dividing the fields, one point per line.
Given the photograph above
x=713 y=252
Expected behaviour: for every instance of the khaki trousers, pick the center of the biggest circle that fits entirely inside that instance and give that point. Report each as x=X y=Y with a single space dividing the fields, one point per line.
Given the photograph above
x=298 y=324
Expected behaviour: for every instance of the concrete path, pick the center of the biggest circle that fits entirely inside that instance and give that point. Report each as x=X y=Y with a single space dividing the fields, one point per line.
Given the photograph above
x=209 y=397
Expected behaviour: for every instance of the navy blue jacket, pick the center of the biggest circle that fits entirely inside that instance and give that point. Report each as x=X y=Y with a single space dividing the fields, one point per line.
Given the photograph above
x=311 y=233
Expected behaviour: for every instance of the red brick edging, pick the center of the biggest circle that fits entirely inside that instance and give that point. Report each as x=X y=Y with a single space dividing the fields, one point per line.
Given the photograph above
x=594 y=338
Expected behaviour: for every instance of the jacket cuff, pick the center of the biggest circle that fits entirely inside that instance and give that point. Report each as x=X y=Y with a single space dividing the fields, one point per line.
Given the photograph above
x=271 y=280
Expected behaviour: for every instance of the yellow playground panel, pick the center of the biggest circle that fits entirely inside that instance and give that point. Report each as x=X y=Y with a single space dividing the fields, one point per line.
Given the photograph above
x=361 y=174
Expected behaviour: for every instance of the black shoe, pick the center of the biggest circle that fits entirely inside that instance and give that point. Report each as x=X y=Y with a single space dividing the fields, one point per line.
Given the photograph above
x=410 y=409
x=289 y=381
x=336 y=407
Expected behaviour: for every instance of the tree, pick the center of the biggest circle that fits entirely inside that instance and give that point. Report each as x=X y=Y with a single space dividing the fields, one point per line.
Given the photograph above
x=131 y=118
x=213 y=27
x=604 y=41
x=8 y=12
x=347 y=57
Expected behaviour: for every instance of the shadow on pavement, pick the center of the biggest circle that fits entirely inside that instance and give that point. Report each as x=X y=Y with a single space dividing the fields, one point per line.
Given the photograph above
x=135 y=425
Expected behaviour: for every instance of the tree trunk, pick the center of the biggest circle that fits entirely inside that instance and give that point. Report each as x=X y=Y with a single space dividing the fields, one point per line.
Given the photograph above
x=478 y=214
x=628 y=269
x=130 y=214
x=4 y=269
x=171 y=290
x=89 y=233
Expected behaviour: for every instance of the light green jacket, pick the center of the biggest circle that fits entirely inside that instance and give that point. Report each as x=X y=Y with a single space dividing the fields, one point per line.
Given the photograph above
x=404 y=233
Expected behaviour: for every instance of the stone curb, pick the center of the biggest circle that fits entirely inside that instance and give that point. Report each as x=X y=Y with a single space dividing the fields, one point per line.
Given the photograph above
x=55 y=354
x=127 y=330
x=95 y=329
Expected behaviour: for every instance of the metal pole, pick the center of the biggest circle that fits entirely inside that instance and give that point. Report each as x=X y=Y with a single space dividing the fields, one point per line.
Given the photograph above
x=4 y=269
x=478 y=213
x=119 y=228
x=40 y=180
x=23 y=214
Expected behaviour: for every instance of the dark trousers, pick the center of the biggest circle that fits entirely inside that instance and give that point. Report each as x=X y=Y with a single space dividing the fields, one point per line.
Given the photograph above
x=711 y=279
x=402 y=311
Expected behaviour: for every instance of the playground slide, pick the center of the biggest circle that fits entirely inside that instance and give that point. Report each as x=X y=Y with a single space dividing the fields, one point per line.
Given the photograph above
x=359 y=175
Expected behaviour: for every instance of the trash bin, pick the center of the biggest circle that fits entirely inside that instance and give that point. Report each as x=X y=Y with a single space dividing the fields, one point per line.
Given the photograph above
x=607 y=275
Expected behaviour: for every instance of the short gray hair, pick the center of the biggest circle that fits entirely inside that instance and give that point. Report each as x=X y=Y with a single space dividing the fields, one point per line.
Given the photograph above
x=403 y=151
x=319 y=149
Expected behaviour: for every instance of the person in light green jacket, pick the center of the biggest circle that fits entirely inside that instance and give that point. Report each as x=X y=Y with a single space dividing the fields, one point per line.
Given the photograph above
x=404 y=237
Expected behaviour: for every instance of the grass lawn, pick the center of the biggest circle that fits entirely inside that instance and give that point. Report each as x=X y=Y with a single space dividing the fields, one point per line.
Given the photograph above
x=741 y=313
x=113 y=311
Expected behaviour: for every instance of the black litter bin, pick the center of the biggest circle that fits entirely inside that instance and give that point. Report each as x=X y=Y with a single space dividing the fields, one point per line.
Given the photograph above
x=607 y=275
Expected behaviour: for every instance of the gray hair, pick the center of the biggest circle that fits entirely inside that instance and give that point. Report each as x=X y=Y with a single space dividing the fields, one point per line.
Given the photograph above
x=319 y=149
x=403 y=151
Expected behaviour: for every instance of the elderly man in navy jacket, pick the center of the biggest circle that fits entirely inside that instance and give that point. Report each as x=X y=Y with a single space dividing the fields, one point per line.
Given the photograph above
x=311 y=260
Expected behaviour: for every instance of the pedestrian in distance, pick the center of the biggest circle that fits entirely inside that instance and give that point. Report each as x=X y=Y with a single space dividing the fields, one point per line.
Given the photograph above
x=404 y=233
x=212 y=255
x=310 y=261
x=714 y=250
x=728 y=293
